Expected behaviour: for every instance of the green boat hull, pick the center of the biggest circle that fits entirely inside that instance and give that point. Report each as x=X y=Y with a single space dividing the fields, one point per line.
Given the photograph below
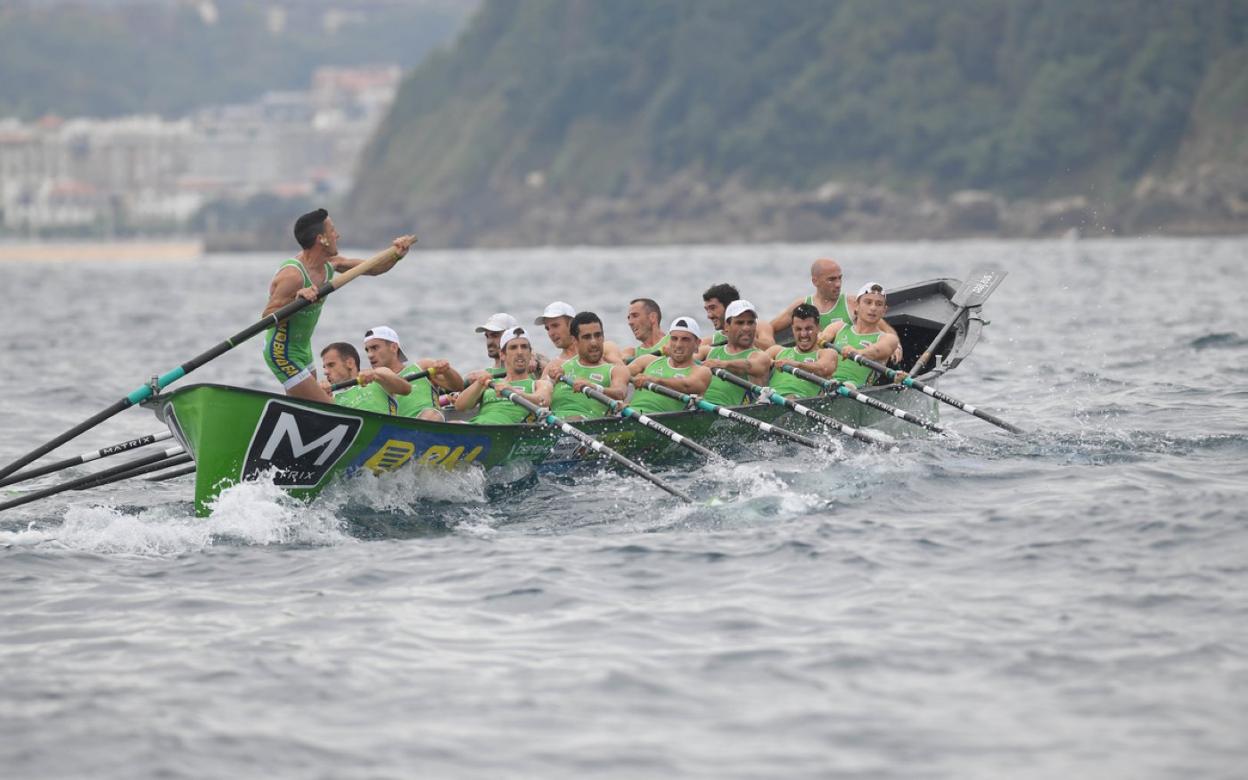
x=235 y=434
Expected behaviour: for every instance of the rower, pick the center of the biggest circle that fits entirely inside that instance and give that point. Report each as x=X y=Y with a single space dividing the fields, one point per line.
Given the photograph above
x=715 y=301
x=557 y=319
x=517 y=353
x=805 y=353
x=589 y=367
x=377 y=386
x=830 y=300
x=493 y=329
x=645 y=319
x=675 y=370
x=740 y=355
x=288 y=345
x=866 y=336
x=381 y=344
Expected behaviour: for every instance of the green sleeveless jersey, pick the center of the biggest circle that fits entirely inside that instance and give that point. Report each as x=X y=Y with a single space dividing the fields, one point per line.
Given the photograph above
x=718 y=339
x=847 y=370
x=288 y=345
x=422 y=396
x=496 y=410
x=721 y=392
x=657 y=349
x=840 y=311
x=566 y=402
x=788 y=385
x=649 y=401
x=371 y=398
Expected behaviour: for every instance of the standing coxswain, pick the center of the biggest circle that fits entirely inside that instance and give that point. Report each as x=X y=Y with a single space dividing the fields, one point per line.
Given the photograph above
x=288 y=345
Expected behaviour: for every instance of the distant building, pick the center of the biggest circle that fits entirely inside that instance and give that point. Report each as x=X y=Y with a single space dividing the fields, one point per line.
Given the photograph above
x=145 y=172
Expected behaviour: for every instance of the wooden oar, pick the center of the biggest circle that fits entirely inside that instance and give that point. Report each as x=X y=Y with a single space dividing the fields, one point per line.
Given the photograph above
x=347 y=384
x=973 y=292
x=840 y=388
x=704 y=405
x=158 y=383
x=911 y=382
x=99 y=477
x=628 y=412
x=546 y=418
x=86 y=457
x=772 y=396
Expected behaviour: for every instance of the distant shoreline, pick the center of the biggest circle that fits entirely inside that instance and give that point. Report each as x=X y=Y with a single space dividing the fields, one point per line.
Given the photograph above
x=101 y=250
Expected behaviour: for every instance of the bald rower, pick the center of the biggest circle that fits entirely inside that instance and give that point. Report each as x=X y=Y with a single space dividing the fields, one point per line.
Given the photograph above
x=829 y=299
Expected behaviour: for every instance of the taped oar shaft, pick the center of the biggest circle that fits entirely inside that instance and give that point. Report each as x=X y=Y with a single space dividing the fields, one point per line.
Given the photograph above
x=548 y=419
x=160 y=465
x=92 y=478
x=349 y=383
x=703 y=405
x=911 y=382
x=86 y=457
x=840 y=389
x=775 y=398
x=630 y=413
x=158 y=383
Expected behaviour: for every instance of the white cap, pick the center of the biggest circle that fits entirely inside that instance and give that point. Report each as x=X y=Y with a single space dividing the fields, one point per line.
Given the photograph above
x=737 y=307
x=556 y=309
x=498 y=322
x=872 y=287
x=382 y=332
x=687 y=324
x=514 y=332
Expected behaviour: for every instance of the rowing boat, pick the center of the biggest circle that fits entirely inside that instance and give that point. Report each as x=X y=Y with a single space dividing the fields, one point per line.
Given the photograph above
x=236 y=434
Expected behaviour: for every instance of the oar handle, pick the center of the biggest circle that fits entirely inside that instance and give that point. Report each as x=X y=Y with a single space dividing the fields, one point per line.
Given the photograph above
x=349 y=383
x=629 y=413
x=703 y=405
x=546 y=418
x=840 y=389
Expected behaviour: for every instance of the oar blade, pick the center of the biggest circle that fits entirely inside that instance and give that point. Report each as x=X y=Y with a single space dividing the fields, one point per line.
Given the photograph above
x=978 y=286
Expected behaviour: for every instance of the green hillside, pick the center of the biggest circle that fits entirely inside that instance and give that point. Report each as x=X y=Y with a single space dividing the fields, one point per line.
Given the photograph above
x=546 y=103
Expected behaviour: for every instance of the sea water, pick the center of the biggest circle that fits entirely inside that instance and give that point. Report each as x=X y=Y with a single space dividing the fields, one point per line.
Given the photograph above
x=1071 y=602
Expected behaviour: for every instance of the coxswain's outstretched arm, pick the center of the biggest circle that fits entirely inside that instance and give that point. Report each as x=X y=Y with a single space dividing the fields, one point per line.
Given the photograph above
x=401 y=245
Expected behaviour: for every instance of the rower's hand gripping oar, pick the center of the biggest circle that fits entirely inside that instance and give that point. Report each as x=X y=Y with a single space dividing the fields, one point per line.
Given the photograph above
x=704 y=405
x=347 y=384
x=87 y=457
x=911 y=382
x=840 y=388
x=160 y=382
x=546 y=418
x=772 y=396
x=628 y=412
x=973 y=292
